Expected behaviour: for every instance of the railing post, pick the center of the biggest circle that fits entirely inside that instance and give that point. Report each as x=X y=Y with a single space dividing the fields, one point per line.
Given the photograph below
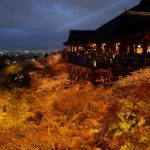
x=94 y=76
x=144 y=54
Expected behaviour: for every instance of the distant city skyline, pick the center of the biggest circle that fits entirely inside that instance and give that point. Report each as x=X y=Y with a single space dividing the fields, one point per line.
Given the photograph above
x=45 y=24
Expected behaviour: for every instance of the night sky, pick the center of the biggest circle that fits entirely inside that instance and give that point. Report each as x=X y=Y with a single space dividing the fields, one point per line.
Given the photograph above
x=45 y=24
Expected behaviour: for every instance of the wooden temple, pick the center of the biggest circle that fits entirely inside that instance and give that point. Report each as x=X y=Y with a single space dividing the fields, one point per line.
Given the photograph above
x=123 y=41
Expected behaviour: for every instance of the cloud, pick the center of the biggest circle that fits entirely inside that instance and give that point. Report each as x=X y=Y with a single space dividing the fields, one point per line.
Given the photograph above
x=46 y=23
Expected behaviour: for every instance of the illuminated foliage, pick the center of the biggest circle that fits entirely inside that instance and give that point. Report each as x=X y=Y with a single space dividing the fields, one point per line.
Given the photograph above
x=55 y=113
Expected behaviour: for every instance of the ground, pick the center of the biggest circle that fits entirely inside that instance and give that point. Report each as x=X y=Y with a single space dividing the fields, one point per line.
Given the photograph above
x=55 y=113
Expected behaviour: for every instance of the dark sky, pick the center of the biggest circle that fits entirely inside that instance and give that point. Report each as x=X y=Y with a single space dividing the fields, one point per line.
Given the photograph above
x=45 y=24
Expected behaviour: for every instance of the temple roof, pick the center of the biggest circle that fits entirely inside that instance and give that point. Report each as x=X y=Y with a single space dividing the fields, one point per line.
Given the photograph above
x=133 y=24
x=144 y=6
x=134 y=21
x=128 y=23
x=81 y=35
x=145 y=2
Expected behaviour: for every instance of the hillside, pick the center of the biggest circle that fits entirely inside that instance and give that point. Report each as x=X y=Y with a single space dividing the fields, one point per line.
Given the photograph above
x=52 y=112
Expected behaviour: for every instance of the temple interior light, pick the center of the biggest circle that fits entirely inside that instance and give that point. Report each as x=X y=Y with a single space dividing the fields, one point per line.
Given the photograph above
x=72 y=48
x=81 y=48
x=117 y=47
x=94 y=63
x=94 y=45
x=103 y=46
x=139 y=49
x=75 y=48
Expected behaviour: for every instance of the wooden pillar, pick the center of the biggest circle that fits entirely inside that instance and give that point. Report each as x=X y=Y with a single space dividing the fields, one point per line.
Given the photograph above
x=122 y=49
x=131 y=50
x=128 y=50
x=144 y=53
x=99 y=49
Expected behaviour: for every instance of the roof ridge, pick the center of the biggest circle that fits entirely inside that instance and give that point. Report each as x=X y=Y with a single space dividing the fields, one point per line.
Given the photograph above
x=145 y=2
x=138 y=13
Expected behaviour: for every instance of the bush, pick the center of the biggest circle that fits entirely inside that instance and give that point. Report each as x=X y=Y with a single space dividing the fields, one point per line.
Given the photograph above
x=17 y=80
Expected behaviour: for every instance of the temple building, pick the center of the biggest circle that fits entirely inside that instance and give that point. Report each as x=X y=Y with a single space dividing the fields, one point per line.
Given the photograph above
x=123 y=40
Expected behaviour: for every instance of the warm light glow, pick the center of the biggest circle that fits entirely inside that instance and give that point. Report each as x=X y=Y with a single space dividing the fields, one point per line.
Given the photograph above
x=139 y=50
x=117 y=47
x=94 y=63
x=81 y=48
x=148 y=49
x=103 y=46
x=75 y=48
x=94 y=45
